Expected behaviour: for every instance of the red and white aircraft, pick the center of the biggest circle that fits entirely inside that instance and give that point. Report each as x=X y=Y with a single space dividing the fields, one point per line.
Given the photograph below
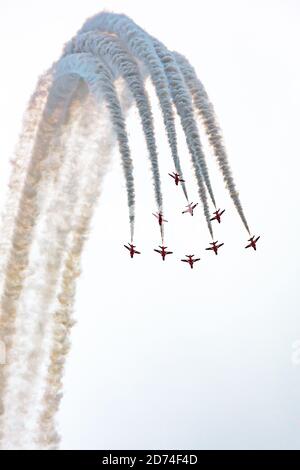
x=215 y=247
x=190 y=208
x=163 y=252
x=132 y=250
x=253 y=242
x=160 y=218
x=191 y=260
x=217 y=215
x=176 y=177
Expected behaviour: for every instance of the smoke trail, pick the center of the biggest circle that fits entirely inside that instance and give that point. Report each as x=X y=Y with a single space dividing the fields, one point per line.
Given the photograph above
x=207 y=113
x=184 y=106
x=100 y=81
x=95 y=93
x=162 y=67
x=182 y=100
x=25 y=220
x=109 y=49
x=47 y=436
x=20 y=163
x=140 y=47
x=19 y=248
x=36 y=295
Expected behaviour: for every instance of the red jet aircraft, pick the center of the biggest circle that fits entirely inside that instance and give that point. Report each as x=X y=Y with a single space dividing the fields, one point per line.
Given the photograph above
x=217 y=215
x=176 y=177
x=215 y=247
x=252 y=242
x=132 y=250
x=163 y=252
x=191 y=260
x=159 y=217
x=190 y=208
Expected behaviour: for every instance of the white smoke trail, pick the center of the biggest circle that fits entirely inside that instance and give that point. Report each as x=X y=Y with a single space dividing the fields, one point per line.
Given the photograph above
x=121 y=62
x=45 y=296
x=20 y=164
x=182 y=99
x=30 y=202
x=185 y=110
x=47 y=435
x=163 y=69
x=100 y=82
x=142 y=48
x=206 y=111
x=42 y=278
x=104 y=140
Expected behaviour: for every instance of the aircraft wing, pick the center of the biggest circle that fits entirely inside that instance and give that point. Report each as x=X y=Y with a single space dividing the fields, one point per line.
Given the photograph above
x=127 y=247
x=157 y=251
x=185 y=260
x=257 y=239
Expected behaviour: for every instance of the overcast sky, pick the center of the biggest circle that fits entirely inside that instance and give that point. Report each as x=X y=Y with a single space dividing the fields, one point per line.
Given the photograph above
x=163 y=356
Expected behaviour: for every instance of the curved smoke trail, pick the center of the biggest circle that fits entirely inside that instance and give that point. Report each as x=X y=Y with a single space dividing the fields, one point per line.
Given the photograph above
x=169 y=86
x=121 y=62
x=44 y=270
x=142 y=48
x=100 y=81
x=183 y=102
x=19 y=164
x=207 y=114
x=73 y=121
x=37 y=186
x=47 y=436
x=29 y=205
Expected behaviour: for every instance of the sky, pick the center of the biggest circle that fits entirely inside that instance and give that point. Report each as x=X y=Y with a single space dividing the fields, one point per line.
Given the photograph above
x=164 y=357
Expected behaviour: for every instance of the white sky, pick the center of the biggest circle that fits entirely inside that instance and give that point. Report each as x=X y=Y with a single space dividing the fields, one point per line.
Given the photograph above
x=162 y=356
